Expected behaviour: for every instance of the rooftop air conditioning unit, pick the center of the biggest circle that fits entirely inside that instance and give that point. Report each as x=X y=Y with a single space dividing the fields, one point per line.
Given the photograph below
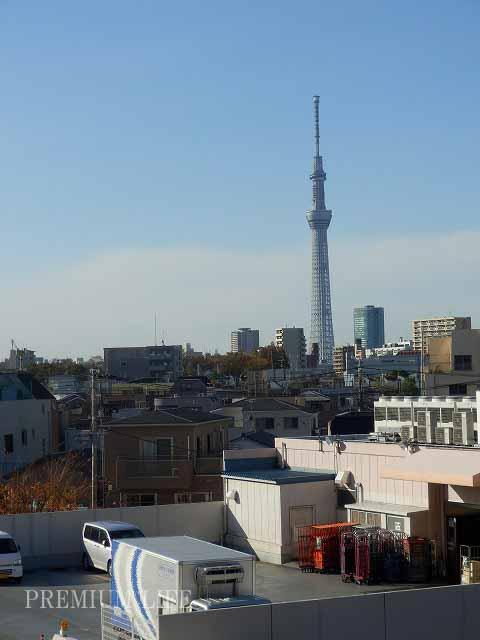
x=405 y=432
x=422 y=434
x=463 y=433
x=448 y=437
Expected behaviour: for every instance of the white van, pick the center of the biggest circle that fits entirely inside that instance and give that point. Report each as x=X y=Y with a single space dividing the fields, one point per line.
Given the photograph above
x=10 y=559
x=97 y=542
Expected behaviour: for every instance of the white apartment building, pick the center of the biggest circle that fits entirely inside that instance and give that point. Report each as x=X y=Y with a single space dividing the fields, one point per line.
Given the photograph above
x=436 y=327
x=292 y=341
x=390 y=348
x=244 y=340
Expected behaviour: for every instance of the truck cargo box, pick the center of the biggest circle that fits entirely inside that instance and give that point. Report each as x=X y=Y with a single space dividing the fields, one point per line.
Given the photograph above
x=160 y=576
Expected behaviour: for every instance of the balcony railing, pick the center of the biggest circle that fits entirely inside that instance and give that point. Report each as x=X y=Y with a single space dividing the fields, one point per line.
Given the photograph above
x=135 y=470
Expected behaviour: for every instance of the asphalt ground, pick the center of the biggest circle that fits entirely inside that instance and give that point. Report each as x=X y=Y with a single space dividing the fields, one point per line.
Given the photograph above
x=46 y=597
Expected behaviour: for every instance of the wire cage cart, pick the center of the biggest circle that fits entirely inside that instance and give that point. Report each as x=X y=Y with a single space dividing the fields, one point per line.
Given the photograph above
x=326 y=552
x=306 y=545
x=347 y=555
x=395 y=563
x=419 y=554
x=469 y=564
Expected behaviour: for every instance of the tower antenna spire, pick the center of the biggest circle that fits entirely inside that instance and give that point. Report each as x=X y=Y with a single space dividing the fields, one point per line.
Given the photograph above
x=316 y=100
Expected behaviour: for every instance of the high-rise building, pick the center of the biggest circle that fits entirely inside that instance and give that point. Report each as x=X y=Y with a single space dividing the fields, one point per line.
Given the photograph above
x=436 y=328
x=244 y=340
x=319 y=220
x=369 y=326
x=343 y=359
x=292 y=341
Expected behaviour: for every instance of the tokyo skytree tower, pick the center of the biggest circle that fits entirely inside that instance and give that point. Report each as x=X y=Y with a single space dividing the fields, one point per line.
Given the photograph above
x=319 y=218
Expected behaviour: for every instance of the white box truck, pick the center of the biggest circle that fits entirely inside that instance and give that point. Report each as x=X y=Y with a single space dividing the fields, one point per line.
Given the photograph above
x=160 y=576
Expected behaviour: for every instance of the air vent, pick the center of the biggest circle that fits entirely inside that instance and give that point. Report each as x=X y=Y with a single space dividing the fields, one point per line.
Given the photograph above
x=223 y=574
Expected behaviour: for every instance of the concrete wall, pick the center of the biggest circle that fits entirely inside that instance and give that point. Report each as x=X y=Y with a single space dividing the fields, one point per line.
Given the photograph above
x=443 y=613
x=50 y=540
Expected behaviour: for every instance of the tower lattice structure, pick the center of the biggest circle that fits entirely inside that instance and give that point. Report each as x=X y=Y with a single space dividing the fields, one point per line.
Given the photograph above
x=319 y=218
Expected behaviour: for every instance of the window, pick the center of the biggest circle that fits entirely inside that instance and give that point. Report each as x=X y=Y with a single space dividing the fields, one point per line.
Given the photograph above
x=8 y=442
x=380 y=414
x=290 y=423
x=7 y=545
x=33 y=434
x=395 y=523
x=457 y=390
x=103 y=538
x=122 y=534
x=264 y=423
x=157 y=448
x=193 y=496
x=462 y=363
x=93 y=533
x=140 y=499
x=24 y=437
x=366 y=517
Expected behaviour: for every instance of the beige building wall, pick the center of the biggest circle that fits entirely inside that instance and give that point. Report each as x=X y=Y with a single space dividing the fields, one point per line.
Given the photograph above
x=364 y=460
x=440 y=370
x=265 y=516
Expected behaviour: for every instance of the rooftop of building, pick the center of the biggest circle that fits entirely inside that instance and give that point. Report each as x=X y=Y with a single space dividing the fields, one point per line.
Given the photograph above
x=270 y=404
x=170 y=417
x=281 y=476
x=34 y=388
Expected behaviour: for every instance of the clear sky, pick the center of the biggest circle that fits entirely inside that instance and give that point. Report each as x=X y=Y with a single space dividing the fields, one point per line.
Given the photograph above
x=154 y=157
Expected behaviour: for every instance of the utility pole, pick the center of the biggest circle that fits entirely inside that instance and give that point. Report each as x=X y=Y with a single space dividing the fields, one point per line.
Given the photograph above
x=360 y=385
x=422 y=363
x=93 y=374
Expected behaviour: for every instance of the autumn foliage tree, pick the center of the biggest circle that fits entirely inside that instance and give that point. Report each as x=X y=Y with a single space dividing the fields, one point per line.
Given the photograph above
x=59 y=484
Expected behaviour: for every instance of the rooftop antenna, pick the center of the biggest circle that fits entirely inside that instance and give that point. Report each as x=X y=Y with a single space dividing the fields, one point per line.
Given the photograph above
x=316 y=100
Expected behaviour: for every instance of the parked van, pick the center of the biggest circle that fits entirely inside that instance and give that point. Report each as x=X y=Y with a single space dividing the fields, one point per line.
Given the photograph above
x=97 y=542
x=10 y=559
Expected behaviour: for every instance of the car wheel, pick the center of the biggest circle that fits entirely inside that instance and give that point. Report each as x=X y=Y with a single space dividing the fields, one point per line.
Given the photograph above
x=17 y=580
x=109 y=568
x=87 y=565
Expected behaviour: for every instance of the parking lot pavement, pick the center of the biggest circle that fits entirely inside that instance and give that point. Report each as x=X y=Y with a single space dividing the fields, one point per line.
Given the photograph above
x=42 y=592
x=75 y=595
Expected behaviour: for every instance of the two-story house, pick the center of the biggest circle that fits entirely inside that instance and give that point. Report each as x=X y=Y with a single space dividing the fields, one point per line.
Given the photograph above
x=271 y=415
x=162 y=457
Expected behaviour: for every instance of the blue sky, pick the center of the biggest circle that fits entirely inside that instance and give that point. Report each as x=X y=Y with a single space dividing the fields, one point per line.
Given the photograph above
x=150 y=127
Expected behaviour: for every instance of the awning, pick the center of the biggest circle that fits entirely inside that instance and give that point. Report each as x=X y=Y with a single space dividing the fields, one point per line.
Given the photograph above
x=385 y=507
x=439 y=466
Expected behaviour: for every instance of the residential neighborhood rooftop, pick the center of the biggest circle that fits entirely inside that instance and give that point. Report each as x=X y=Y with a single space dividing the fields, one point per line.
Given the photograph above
x=172 y=416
